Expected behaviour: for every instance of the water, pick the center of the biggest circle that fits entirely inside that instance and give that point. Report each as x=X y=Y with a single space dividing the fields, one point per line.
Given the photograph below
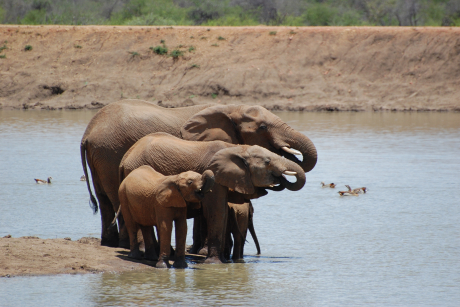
x=397 y=245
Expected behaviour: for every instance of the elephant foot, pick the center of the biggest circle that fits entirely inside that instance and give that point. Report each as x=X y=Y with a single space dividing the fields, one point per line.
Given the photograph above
x=203 y=251
x=238 y=260
x=136 y=254
x=213 y=260
x=161 y=264
x=193 y=249
x=180 y=263
x=110 y=241
x=150 y=254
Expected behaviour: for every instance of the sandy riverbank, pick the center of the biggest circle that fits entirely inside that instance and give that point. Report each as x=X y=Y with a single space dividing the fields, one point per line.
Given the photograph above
x=34 y=256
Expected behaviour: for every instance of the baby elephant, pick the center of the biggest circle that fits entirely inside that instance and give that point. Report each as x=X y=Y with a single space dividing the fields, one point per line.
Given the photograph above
x=148 y=198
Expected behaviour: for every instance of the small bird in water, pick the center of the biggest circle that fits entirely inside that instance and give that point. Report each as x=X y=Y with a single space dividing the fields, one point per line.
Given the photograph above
x=361 y=190
x=41 y=181
x=330 y=185
x=83 y=178
x=350 y=192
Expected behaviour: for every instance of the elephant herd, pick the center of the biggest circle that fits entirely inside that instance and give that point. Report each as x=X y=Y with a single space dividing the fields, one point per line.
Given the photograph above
x=152 y=166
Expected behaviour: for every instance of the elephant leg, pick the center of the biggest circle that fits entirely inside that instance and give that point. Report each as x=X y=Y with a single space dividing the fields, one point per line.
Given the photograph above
x=164 y=226
x=242 y=228
x=123 y=237
x=196 y=235
x=181 y=236
x=215 y=210
x=109 y=236
x=203 y=228
x=149 y=243
x=238 y=247
x=132 y=229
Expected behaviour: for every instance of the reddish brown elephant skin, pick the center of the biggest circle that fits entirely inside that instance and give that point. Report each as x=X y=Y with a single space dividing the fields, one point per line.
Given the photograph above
x=148 y=198
x=240 y=168
x=117 y=126
x=240 y=219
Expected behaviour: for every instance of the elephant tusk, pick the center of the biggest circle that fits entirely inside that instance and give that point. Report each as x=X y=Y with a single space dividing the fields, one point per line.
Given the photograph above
x=290 y=173
x=291 y=151
x=271 y=186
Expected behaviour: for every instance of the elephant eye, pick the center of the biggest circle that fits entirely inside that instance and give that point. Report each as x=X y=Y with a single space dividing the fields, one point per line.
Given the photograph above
x=263 y=127
x=190 y=182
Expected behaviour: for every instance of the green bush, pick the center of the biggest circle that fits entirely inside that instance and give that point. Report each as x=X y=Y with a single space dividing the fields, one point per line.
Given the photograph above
x=158 y=12
x=2 y=14
x=3 y=47
x=28 y=48
x=35 y=17
x=161 y=50
x=433 y=14
x=231 y=13
x=233 y=16
x=176 y=53
x=319 y=14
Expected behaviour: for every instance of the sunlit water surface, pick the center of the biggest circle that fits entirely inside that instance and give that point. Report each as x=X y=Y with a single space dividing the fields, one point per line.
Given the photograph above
x=397 y=245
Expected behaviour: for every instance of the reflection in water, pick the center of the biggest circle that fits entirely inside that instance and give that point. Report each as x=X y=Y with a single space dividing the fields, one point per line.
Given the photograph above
x=398 y=244
x=228 y=283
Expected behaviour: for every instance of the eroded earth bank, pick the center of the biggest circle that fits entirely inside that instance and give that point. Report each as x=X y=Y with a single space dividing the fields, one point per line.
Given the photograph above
x=281 y=68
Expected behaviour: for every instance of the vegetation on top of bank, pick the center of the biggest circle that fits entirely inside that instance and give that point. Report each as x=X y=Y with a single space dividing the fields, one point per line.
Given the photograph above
x=232 y=12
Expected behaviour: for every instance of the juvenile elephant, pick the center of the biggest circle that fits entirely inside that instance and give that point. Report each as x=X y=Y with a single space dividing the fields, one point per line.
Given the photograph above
x=240 y=219
x=241 y=168
x=117 y=126
x=148 y=198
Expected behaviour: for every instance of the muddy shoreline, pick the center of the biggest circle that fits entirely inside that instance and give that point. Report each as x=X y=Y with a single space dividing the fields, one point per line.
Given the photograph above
x=280 y=68
x=32 y=256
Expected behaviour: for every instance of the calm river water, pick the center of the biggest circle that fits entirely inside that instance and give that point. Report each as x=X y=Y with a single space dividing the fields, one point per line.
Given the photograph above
x=397 y=245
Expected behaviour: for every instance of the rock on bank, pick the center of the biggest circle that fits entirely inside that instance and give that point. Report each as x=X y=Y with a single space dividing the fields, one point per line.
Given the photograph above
x=281 y=68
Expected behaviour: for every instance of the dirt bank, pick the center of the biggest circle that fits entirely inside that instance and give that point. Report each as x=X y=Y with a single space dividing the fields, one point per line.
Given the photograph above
x=307 y=68
x=34 y=256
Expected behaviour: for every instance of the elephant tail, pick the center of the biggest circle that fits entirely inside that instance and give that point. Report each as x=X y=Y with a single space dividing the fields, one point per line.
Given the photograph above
x=114 y=222
x=92 y=201
x=253 y=234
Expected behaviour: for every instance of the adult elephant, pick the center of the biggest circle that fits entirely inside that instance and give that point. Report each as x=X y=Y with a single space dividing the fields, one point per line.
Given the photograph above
x=117 y=126
x=241 y=168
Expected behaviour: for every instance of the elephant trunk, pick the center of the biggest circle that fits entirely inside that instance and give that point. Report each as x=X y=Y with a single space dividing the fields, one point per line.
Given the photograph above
x=303 y=145
x=293 y=169
x=208 y=181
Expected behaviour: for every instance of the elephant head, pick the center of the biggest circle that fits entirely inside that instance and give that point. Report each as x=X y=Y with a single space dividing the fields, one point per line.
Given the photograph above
x=245 y=168
x=187 y=186
x=251 y=125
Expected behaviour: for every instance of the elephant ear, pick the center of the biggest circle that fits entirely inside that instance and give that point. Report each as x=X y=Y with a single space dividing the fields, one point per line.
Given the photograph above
x=168 y=195
x=231 y=170
x=211 y=124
